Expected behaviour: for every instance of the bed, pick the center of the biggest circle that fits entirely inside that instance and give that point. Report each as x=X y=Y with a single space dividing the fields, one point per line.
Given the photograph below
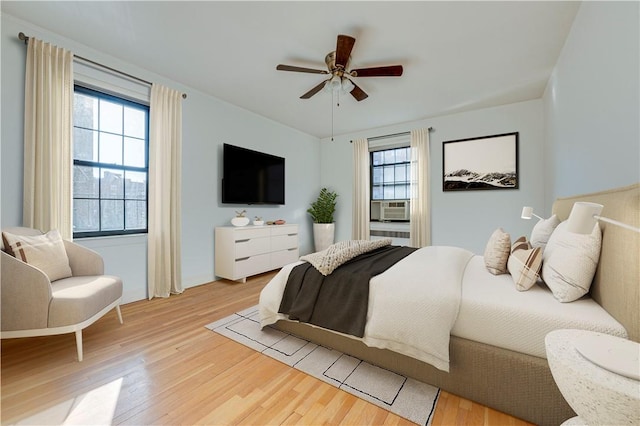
x=485 y=362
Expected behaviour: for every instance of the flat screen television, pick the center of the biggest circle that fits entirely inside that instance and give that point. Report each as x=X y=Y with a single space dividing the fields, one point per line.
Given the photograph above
x=251 y=177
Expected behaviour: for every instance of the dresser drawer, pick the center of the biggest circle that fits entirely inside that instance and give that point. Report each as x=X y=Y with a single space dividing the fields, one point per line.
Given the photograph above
x=252 y=265
x=283 y=242
x=283 y=257
x=252 y=246
x=284 y=230
x=248 y=233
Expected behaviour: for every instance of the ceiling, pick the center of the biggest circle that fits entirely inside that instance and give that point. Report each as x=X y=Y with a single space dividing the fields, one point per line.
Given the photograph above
x=457 y=56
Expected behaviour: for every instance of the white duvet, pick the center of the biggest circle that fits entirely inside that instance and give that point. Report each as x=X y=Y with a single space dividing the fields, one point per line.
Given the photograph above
x=412 y=305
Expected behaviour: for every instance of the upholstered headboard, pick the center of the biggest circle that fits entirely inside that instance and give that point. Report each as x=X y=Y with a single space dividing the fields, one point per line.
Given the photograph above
x=616 y=286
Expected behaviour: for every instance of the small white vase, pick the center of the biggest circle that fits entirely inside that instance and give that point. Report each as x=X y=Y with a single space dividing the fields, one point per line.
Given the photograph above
x=323 y=234
x=240 y=221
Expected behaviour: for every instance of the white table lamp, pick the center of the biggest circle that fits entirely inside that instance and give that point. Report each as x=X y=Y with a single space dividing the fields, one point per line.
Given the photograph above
x=584 y=215
x=527 y=213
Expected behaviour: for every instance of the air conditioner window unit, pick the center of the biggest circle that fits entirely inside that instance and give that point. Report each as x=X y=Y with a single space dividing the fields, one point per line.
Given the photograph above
x=390 y=210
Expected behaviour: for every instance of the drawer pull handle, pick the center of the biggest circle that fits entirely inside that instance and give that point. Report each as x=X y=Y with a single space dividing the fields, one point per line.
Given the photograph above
x=243 y=241
x=292 y=235
x=292 y=249
x=243 y=258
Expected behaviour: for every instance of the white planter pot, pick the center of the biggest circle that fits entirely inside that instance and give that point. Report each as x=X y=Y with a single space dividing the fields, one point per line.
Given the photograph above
x=323 y=234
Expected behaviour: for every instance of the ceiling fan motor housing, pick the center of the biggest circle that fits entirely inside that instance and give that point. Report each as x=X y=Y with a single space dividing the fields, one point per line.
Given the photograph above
x=330 y=60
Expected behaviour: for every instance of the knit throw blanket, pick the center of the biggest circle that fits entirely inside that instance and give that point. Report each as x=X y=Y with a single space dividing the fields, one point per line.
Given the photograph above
x=326 y=261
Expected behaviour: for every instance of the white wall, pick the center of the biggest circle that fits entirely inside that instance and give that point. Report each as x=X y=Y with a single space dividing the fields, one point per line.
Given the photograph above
x=592 y=103
x=207 y=124
x=465 y=219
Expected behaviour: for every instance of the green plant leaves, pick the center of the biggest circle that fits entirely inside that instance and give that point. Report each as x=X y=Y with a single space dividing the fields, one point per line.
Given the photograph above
x=323 y=208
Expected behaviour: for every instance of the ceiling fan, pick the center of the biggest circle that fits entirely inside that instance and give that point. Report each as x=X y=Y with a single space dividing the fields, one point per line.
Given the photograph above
x=338 y=67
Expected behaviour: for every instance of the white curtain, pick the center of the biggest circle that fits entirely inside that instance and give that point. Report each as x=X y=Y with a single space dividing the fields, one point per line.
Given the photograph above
x=420 y=216
x=48 y=112
x=165 y=174
x=361 y=190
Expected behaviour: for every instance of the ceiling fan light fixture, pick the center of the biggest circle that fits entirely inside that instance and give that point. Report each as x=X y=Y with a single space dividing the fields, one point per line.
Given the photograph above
x=347 y=85
x=335 y=83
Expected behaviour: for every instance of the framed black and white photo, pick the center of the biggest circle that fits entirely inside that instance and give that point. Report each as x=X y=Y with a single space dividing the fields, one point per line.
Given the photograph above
x=487 y=162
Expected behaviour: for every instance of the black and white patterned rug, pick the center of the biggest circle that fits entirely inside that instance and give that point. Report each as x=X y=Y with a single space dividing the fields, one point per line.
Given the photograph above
x=406 y=397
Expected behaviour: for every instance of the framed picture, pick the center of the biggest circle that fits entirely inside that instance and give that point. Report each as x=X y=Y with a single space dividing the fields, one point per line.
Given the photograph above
x=487 y=162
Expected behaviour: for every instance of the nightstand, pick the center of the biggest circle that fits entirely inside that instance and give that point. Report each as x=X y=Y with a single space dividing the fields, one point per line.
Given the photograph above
x=594 y=373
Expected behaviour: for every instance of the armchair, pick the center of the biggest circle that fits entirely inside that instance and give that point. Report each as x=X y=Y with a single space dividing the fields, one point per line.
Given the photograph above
x=32 y=305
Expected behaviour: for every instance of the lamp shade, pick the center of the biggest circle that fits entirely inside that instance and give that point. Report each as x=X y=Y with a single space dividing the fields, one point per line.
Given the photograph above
x=527 y=212
x=347 y=85
x=335 y=83
x=581 y=219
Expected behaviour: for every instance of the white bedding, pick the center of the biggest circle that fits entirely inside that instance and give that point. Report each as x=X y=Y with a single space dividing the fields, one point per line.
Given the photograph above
x=438 y=291
x=493 y=312
x=412 y=305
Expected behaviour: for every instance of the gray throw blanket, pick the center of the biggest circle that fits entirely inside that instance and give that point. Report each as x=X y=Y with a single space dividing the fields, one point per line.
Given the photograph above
x=338 y=301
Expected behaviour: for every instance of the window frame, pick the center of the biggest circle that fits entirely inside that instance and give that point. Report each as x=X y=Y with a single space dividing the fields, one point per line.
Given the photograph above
x=371 y=168
x=125 y=101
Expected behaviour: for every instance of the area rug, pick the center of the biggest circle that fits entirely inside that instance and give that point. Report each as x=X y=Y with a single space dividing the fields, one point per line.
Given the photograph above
x=406 y=397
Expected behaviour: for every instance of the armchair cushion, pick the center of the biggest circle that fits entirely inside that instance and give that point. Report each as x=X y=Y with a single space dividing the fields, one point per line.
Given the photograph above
x=46 y=252
x=77 y=299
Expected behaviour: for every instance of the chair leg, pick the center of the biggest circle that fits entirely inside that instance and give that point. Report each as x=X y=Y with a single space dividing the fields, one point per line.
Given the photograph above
x=119 y=312
x=79 y=344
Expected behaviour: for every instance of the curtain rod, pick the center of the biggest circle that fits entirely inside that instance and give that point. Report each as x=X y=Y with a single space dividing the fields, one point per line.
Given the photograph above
x=391 y=135
x=25 y=38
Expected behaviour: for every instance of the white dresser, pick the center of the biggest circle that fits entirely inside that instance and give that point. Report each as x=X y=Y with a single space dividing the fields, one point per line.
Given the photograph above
x=250 y=250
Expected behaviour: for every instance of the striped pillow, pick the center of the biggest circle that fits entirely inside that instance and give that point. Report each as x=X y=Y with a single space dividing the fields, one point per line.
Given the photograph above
x=497 y=252
x=524 y=264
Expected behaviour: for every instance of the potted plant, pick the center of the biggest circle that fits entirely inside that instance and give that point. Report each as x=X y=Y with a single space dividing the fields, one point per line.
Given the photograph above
x=322 y=211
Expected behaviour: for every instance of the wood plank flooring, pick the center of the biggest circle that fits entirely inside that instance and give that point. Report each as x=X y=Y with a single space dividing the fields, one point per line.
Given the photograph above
x=163 y=367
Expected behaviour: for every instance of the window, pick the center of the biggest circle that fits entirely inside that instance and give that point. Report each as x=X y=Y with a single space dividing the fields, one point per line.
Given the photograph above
x=110 y=164
x=390 y=174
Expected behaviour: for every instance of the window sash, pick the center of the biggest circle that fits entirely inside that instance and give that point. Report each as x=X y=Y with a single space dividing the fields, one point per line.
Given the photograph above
x=387 y=171
x=122 y=203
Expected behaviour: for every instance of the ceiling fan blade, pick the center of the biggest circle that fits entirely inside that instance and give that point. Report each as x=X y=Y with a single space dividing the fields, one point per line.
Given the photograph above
x=300 y=69
x=313 y=91
x=389 y=71
x=343 y=49
x=358 y=93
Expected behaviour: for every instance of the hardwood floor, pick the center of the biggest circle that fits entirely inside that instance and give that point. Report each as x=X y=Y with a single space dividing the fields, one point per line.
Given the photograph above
x=163 y=367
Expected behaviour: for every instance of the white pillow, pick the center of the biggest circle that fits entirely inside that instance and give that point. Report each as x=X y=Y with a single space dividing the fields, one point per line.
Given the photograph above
x=496 y=253
x=542 y=231
x=45 y=252
x=569 y=262
x=524 y=264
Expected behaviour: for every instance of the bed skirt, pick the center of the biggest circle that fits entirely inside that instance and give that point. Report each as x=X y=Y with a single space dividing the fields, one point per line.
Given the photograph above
x=514 y=383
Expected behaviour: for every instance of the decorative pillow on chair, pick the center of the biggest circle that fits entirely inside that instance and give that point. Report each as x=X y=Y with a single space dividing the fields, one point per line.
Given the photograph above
x=570 y=261
x=542 y=231
x=46 y=252
x=496 y=253
x=524 y=264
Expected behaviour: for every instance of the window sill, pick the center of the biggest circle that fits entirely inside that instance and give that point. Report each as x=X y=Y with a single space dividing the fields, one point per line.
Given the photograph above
x=112 y=240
